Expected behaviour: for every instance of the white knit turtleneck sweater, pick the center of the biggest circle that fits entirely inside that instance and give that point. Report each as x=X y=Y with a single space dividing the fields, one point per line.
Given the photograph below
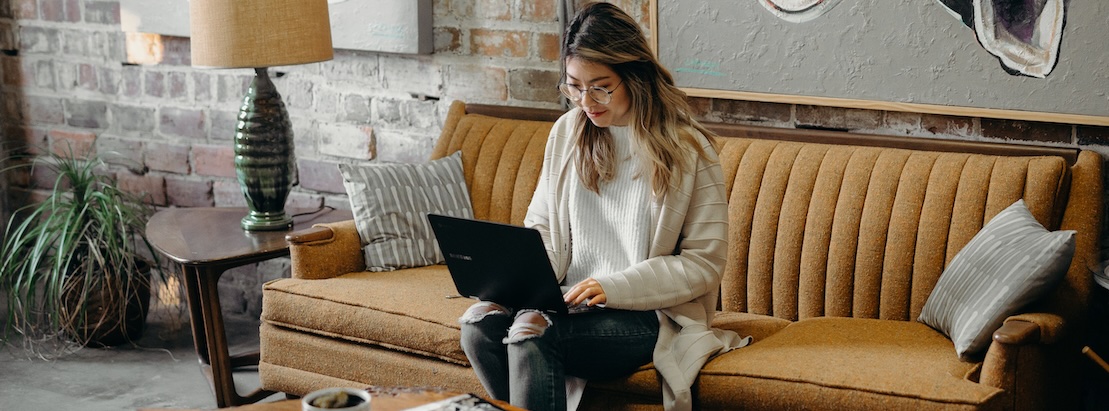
x=612 y=230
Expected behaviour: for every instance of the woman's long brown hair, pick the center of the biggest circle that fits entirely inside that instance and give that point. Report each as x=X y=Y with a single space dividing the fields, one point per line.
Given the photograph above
x=602 y=33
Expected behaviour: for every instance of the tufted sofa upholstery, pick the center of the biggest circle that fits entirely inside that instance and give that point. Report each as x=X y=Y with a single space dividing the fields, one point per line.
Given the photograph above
x=836 y=241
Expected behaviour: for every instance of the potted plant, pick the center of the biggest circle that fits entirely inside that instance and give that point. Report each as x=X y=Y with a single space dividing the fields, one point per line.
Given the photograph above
x=76 y=267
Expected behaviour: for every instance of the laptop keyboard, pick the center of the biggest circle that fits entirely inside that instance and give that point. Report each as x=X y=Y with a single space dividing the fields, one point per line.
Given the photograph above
x=583 y=308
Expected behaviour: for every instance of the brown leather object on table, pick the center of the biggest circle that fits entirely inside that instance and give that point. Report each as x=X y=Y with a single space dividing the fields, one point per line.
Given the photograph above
x=1017 y=332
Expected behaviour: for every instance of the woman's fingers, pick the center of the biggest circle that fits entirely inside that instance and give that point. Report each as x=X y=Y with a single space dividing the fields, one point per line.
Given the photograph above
x=598 y=298
x=587 y=290
x=571 y=296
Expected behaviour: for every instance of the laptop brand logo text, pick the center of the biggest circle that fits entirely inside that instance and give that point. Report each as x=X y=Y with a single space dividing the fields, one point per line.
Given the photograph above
x=460 y=257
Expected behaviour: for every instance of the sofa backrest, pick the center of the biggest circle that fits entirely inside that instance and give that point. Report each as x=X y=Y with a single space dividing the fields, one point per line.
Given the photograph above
x=827 y=223
x=502 y=151
x=820 y=228
x=849 y=231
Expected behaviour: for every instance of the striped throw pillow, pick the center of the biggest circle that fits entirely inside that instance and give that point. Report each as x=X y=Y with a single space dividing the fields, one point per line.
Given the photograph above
x=390 y=203
x=1011 y=262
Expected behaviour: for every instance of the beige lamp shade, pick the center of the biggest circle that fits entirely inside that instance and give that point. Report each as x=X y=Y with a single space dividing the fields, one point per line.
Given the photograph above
x=259 y=33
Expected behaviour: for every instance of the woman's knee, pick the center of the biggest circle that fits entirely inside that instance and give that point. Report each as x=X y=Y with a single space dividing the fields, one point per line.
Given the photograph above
x=527 y=325
x=480 y=310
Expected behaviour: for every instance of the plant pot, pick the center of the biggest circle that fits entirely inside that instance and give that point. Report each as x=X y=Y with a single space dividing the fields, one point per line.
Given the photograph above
x=114 y=309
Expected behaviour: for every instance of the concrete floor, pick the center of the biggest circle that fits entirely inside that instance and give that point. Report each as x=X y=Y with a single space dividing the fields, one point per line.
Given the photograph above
x=162 y=373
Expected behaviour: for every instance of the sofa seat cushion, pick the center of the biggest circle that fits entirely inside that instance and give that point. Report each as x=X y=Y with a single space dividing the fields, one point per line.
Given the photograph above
x=757 y=326
x=834 y=363
x=406 y=310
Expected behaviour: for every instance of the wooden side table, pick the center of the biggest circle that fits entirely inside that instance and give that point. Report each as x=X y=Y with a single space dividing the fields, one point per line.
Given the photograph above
x=206 y=242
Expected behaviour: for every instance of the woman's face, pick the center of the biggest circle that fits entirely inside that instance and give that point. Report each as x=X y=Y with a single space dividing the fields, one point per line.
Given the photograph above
x=585 y=74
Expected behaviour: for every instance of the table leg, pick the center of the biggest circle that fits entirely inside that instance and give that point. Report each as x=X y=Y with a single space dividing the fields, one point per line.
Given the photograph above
x=210 y=337
x=196 y=315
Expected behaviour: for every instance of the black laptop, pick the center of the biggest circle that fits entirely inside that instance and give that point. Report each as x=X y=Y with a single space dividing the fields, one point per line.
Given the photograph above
x=502 y=263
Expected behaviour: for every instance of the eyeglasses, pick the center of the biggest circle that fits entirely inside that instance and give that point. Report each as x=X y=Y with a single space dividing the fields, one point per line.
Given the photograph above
x=598 y=94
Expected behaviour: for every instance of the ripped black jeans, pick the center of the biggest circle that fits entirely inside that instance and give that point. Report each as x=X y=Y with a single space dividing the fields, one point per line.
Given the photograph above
x=524 y=357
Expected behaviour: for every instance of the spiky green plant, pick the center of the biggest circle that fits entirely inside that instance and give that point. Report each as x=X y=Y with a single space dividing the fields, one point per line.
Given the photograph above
x=72 y=261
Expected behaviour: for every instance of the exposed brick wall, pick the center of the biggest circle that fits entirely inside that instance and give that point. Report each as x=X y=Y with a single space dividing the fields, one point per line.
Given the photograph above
x=63 y=82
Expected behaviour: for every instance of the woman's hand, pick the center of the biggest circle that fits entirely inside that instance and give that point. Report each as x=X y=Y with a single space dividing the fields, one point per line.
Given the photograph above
x=588 y=290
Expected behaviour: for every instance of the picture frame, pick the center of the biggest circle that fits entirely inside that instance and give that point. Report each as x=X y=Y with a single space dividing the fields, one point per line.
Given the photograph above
x=741 y=51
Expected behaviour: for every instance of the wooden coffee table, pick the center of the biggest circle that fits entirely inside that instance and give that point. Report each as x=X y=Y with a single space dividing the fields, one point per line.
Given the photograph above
x=382 y=399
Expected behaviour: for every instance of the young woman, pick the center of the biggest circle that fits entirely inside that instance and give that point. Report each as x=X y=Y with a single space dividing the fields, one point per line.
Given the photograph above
x=631 y=207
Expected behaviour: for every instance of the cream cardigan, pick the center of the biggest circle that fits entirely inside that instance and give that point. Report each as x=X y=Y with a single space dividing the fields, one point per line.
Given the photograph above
x=680 y=279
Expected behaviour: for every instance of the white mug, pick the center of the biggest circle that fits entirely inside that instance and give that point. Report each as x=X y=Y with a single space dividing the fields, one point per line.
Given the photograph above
x=359 y=398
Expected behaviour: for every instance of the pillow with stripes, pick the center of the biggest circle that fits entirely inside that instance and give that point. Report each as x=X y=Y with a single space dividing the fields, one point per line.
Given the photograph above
x=1011 y=262
x=390 y=203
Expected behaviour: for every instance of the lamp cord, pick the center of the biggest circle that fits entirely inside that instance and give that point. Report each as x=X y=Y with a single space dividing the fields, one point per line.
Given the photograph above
x=317 y=210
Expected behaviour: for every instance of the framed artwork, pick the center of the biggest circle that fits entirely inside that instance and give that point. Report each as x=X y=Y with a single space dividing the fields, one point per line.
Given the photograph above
x=393 y=26
x=1011 y=59
x=167 y=17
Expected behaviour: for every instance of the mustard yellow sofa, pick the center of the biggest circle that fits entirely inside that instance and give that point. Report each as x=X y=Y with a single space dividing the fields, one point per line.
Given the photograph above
x=836 y=241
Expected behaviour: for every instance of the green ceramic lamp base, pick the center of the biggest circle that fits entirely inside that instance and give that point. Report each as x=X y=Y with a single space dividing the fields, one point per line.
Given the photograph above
x=271 y=221
x=264 y=159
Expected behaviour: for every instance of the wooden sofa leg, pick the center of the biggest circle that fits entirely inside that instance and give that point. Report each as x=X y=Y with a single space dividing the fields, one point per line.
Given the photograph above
x=1097 y=359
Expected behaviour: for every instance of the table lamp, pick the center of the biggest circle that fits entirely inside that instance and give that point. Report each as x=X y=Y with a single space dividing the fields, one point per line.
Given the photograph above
x=259 y=34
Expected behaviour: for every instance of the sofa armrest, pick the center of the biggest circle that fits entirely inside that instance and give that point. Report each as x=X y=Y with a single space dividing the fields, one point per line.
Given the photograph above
x=1017 y=333
x=310 y=235
x=325 y=251
x=1017 y=358
x=1030 y=328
